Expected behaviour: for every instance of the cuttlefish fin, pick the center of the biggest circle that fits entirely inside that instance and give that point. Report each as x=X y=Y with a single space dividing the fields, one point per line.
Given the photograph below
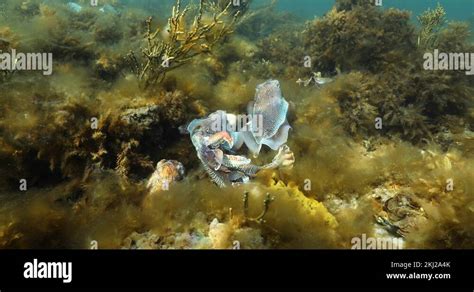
x=279 y=138
x=251 y=144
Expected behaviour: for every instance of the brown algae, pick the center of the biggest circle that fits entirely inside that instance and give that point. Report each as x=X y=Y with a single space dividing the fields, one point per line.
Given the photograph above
x=77 y=148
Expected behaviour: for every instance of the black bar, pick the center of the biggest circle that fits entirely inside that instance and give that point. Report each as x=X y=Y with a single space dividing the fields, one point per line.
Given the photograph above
x=238 y=268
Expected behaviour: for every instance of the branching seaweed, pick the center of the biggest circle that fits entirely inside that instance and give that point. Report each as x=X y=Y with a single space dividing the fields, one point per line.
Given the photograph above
x=166 y=51
x=432 y=21
x=266 y=204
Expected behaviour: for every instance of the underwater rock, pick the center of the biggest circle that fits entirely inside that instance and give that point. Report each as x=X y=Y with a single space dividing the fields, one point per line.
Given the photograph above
x=219 y=234
x=166 y=172
x=143 y=117
x=146 y=240
x=231 y=234
x=400 y=213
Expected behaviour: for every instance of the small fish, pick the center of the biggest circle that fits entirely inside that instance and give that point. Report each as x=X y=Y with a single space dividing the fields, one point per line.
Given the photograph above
x=321 y=80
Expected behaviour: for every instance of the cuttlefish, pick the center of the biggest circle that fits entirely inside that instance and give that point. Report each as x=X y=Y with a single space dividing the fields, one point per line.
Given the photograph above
x=271 y=107
x=218 y=137
x=166 y=173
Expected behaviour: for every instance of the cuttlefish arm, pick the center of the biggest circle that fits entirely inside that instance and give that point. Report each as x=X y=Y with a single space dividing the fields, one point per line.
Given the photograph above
x=213 y=157
x=238 y=168
x=284 y=158
x=218 y=139
x=217 y=177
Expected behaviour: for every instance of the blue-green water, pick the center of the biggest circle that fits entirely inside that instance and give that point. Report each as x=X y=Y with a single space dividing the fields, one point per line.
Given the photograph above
x=456 y=9
x=460 y=10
